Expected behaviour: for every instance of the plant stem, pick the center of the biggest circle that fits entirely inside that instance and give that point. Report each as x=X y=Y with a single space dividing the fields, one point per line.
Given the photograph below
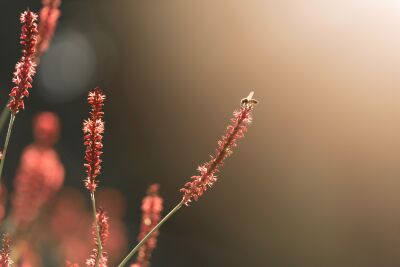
x=10 y=125
x=99 y=246
x=135 y=249
x=3 y=117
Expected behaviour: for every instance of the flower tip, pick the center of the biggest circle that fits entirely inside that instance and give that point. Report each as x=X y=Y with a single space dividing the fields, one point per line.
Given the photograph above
x=249 y=100
x=153 y=189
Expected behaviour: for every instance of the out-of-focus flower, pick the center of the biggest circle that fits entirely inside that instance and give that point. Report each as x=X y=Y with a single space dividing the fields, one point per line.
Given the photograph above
x=114 y=203
x=152 y=206
x=25 y=68
x=93 y=128
x=5 y=251
x=70 y=226
x=40 y=174
x=46 y=127
x=48 y=19
x=38 y=178
x=199 y=183
x=102 y=222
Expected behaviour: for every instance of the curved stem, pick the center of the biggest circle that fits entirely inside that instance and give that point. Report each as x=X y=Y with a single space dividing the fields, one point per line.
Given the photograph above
x=10 y=125
x=99 y=246
x=135 y=249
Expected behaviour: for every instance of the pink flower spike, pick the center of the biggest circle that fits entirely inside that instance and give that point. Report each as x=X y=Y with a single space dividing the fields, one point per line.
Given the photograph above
x=25 y=68
x=5 y=252
x=102 y=221
x=152 y=206
x=93 y=128
x=49 y=15
x=207 y=172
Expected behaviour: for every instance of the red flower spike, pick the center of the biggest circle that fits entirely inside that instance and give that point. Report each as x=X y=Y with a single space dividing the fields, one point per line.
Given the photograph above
x=199 y=183
x=93 y=128
x=49 y=15
x=152 y=206
x=5 y=252
x=25 y=68
x=102 y=221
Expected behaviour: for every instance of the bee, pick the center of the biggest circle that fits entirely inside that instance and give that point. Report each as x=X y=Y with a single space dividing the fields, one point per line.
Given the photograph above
x=249 y=100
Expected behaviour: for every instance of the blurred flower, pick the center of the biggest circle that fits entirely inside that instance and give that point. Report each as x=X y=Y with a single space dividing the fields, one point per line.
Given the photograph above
x=39 y=176
x=25 y=68
x=70 y=226
x=102 y=221
x=46 y=127
x=199 y=183
x=114 y=202
x=48 y=19
x=93 y=128
x=152 y=206
x=5 y=260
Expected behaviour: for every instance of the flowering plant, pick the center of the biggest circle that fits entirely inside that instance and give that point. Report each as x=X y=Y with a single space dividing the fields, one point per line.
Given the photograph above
x=41 y=174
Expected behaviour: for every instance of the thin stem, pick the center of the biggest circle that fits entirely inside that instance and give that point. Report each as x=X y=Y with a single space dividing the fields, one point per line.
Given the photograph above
x=3 y=117
x=99 y=246
x=135 y=249
x=10 y=125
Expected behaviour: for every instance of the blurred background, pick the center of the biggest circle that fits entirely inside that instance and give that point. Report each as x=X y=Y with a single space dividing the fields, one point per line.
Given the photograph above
x=315 y=183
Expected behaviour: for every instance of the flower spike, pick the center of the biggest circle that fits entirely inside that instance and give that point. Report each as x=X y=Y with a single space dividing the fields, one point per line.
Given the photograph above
x=25 y=68
x=93 y=128
x=199 y=183
x=49 y=15
x=152 y=206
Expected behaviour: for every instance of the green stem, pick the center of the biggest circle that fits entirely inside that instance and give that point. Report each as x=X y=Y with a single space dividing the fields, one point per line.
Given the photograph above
x=135 y=249
x=10 y=125
x=99 y=246
x=3 y=117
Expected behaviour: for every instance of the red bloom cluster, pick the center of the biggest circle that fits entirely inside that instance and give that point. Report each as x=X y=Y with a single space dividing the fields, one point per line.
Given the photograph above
x=199 y=183
x=25 y=68
x=102 y=221
x=40 y=174
x=49 y=15
x=93 y=128
x=38 y=178
x=152 y=206
x=5 y=260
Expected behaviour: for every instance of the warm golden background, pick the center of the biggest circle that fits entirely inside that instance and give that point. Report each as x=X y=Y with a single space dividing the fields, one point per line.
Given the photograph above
x=315 y=183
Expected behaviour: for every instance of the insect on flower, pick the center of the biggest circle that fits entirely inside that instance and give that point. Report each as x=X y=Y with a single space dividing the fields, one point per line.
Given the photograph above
x=249 y=100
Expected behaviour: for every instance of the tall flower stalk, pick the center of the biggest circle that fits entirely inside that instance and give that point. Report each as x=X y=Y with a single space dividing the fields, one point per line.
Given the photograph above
x=206 y=178
x=93 y=129
x=24 y=72
x=48 y=21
